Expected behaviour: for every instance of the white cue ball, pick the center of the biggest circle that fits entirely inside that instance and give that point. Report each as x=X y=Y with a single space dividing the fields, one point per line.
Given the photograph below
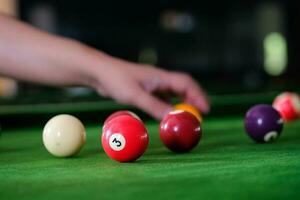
x=64 y=135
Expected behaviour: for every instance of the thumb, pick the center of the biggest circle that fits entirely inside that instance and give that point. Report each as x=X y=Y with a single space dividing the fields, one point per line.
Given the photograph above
x=151 y=105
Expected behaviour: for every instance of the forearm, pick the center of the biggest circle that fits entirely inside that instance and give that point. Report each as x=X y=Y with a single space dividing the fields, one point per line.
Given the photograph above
x=33 y=55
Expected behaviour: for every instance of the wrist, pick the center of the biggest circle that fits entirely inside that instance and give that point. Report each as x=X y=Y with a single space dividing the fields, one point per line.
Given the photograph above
x=88 y=63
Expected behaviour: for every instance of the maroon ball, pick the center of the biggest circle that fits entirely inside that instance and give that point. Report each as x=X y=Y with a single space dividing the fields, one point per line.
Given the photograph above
x=180 y=131
x=263 y=123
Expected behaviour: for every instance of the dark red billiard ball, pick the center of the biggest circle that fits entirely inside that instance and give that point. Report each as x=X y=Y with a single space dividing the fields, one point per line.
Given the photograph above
x=180 y=131
x=124 y=138
x=288 y=105
x=120 y=113
x=263 y=123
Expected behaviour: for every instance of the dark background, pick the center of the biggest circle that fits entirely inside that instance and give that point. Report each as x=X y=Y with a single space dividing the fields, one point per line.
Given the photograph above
x=220 y=43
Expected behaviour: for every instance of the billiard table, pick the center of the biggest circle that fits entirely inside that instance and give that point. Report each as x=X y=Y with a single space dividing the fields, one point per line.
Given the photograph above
x=225 y=165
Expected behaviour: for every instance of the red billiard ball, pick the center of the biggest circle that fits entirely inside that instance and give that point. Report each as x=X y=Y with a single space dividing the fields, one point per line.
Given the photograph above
x=124 y=138
x=288 y=105
x=180 y=131
x=120 y=113
x=189 y=108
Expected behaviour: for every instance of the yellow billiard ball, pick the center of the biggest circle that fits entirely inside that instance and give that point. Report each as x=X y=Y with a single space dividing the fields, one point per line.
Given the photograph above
x=189 y=108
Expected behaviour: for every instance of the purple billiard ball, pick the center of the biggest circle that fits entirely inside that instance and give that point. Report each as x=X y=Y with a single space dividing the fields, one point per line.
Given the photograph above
x=263 y=123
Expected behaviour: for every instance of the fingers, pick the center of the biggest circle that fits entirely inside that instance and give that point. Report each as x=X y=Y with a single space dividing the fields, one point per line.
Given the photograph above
x=184 y=86
x=152 y=105
x=195 y=95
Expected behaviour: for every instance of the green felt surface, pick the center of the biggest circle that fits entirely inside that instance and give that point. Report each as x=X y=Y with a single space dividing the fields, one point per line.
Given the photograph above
x=226 y=164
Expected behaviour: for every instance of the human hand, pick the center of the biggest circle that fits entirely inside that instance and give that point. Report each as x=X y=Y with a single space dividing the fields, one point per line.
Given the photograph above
x=141 y=85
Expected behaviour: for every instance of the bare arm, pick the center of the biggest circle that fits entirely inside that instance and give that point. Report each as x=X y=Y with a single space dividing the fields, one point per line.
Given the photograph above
x=29 y=54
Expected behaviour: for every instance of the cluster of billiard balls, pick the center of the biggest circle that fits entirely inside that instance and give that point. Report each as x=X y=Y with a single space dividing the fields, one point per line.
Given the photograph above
x=264 y=123
x=124 y=136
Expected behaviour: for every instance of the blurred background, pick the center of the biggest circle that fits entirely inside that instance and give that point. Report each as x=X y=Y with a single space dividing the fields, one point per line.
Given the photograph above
x=230 y=47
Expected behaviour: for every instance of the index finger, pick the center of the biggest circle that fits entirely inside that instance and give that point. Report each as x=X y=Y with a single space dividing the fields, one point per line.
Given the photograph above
x=183 y=85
